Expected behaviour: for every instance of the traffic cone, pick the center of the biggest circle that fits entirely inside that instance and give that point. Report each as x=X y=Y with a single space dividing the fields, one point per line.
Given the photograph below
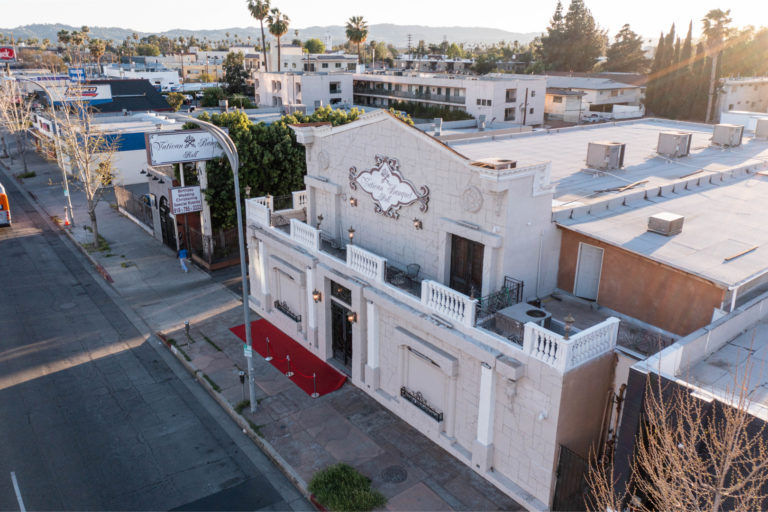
x=66 y=217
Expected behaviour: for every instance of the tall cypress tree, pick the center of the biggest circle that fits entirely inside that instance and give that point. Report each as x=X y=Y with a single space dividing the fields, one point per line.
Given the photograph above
x=586 y=41
x=553 y=44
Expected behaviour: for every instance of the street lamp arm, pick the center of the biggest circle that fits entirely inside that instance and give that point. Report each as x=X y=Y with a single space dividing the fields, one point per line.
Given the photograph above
x=228 y=145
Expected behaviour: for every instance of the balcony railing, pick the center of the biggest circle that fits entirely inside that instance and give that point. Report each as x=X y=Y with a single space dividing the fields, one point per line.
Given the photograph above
x=448 y=303
x=305 y=235
x=444 y=98
x=566 y=354
x=366 y=263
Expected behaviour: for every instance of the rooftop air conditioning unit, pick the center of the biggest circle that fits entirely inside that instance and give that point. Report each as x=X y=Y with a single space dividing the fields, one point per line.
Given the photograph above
x=727 y=135
x=605 y=155
x=498 y=164
x=674 y=144
x=666 y=223
x=761 y=128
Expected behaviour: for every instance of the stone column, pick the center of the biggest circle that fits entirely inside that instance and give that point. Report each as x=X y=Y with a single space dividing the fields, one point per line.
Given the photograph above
x=482 y=452
x=372 y=368
x=205 y=215
x=311 y=309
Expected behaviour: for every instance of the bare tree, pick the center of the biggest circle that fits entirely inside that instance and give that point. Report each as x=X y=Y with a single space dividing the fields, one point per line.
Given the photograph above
x=690 y=454
x=15 y=115
x=87 y=150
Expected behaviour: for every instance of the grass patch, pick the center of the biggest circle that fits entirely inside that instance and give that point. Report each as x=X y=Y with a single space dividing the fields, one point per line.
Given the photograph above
x=56 y=220
x=28 y=174
x=242 y=405
x=189 y=359
x=256 y=428
x=215 y=386
x=206 y=338
x=342 y=488
x=101 y=247
x=126 y=264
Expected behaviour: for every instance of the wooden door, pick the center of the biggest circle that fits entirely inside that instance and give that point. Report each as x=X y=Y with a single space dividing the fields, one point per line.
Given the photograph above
x=466 y=266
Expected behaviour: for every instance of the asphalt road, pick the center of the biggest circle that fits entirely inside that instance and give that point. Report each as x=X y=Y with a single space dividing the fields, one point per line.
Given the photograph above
x=92 y=417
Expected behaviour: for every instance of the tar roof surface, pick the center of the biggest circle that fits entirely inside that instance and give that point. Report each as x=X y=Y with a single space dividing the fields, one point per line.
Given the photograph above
x=574 y=184
x=721 y=221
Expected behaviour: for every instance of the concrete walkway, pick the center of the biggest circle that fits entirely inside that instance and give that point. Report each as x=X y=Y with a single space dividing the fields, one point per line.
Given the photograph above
x=300 y=434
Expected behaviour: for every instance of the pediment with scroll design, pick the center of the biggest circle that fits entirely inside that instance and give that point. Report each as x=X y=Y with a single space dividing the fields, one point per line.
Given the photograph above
x=389 y=190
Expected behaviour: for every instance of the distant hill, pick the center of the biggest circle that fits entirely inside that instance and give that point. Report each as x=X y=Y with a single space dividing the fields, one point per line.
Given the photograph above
x=388 y=33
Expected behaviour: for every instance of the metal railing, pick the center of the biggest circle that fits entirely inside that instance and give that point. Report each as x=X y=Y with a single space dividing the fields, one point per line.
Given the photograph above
x=135 y=205
x=445 y=98
x=511 y=293
x=222 y=245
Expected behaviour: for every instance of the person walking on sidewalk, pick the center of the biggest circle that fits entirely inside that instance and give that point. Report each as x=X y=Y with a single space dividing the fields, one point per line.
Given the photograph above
x=183 y=255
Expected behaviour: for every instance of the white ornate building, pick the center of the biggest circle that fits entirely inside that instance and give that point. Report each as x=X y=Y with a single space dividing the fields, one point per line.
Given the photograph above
x=402 y=264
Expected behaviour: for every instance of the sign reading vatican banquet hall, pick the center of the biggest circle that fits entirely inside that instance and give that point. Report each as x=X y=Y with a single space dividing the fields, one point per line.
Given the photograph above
x=385 y=184
x=181 y=146
x=186 y=200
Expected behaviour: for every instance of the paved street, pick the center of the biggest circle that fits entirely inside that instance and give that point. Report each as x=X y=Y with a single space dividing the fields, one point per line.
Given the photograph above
x=92 y=416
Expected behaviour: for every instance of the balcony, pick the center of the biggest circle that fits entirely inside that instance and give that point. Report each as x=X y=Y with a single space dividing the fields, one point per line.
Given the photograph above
x=424 y=96
x=518 y=325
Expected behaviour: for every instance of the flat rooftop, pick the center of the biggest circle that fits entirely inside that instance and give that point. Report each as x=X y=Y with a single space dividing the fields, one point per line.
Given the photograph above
x=741 y=361
x=724 y=237
x=576 y=185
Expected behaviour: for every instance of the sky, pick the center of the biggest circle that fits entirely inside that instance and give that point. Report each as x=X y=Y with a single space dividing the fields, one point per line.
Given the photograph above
x=646 y=17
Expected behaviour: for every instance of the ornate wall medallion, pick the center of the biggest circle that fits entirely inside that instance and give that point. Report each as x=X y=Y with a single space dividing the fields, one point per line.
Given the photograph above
x=386 y=185
x=472 y=199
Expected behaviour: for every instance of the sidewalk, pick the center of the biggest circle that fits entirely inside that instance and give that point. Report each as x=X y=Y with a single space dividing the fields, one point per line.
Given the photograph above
x=301 y=434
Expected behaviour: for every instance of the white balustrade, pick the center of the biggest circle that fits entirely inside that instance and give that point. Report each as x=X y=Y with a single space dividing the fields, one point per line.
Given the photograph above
x=366 y=263
x=564 y=355
x=448 y=302
x=299 y=199
x=259 y=213
x=305 y=235
x=266 y=201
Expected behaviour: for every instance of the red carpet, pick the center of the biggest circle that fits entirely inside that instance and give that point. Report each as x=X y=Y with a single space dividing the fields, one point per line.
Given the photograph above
x=303 y=362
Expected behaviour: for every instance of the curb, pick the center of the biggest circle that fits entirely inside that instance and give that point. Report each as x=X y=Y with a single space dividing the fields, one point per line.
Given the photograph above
x=262 y=443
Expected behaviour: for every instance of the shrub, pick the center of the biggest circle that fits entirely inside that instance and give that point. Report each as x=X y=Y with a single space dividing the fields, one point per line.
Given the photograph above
x=341 y=488
x=212 y=95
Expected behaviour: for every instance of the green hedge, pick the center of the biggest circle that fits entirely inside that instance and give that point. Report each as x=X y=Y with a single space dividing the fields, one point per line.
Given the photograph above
x=341 y=488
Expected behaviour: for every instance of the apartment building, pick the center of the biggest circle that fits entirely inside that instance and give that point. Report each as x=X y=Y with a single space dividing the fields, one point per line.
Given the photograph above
x=306 y=91
x=432 y=64
x=743 y=94
x=600 y=94
x=514 y=98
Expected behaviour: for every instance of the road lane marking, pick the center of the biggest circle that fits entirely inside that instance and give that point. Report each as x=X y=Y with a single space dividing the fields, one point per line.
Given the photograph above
x=18 y=492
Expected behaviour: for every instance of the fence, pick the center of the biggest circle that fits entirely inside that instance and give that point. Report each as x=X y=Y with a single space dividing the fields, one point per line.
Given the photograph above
x=220 y=246
x=134 y=205
x=509 y=295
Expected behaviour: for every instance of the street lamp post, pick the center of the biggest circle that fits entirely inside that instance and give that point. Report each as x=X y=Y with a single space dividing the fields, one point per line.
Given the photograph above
x=234 y=162
x=58 y=147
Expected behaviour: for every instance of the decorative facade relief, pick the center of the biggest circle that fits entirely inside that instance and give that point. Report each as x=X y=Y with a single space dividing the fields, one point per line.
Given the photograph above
x=386 y=185
x=472 y=199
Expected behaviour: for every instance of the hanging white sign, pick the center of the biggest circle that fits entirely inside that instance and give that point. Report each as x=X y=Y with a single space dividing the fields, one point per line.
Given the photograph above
x=186 y=200
x=170 y=147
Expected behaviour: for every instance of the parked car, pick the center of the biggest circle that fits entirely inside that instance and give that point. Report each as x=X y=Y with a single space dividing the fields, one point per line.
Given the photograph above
x=590 y=118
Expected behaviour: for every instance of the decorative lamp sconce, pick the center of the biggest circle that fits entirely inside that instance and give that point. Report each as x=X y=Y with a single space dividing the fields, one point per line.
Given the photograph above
x=316 y=295
x=351 y=232
x=417 y=224
x=155 y=178
x=568 y=324
x=247 y=191
x=162 y=181
x=352 y=317
x=319 y=220
x=352 y=201
x=143 y=171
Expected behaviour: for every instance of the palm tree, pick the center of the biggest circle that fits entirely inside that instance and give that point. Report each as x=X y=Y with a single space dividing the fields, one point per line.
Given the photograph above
x=260 y=10
x=357 y=31
x=97 y=48
x=278 y=26
x=715 y=29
